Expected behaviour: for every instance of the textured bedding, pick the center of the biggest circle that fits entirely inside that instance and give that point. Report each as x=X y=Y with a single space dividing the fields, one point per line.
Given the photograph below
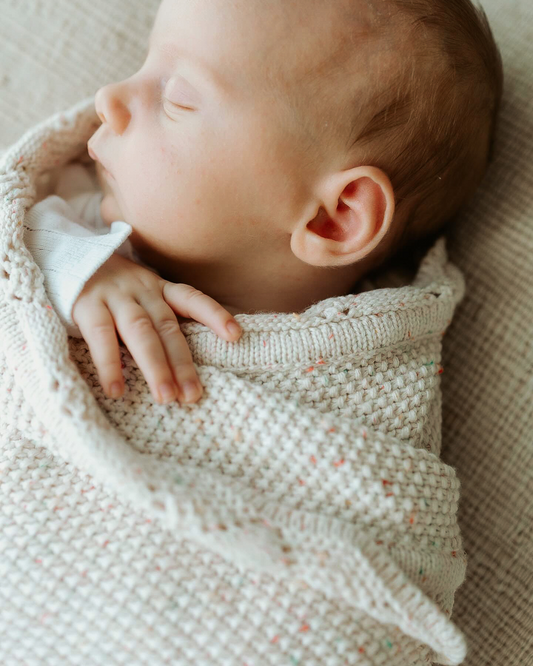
x=50 y=59
x=309 y=471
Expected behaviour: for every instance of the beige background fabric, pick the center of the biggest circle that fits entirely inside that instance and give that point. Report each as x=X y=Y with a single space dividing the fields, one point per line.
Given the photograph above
x=54 y=54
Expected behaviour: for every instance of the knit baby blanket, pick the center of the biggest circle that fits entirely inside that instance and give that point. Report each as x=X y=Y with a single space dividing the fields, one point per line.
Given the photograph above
x=297 y=514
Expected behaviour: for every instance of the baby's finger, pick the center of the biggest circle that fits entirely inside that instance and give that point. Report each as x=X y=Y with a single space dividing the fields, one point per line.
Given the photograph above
x=189 y=302
x=137 y=331
x=176 y=348
x=98 y=330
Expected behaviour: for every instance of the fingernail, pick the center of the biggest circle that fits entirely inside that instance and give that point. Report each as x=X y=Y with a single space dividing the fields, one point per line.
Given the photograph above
x=233 y=328
x=190 y=390
x=167 y=393
x=116 y=389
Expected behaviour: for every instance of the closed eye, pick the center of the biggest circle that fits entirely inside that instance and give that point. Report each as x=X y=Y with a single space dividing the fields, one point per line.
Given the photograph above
x=182 y=94
x=179 y=106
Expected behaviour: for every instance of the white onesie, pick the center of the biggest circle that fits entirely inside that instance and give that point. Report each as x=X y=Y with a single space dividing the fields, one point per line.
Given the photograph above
x=69 y=241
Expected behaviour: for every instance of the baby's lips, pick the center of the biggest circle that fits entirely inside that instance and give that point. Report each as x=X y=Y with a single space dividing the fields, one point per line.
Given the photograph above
x=99 y=162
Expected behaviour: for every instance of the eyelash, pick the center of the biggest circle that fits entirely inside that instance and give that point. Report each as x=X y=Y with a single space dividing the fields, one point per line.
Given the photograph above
x=178 y=106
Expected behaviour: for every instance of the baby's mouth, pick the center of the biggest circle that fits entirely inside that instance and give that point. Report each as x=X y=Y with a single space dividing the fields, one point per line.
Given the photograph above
x=99 y=164
x=107 y=173
x=103 y=171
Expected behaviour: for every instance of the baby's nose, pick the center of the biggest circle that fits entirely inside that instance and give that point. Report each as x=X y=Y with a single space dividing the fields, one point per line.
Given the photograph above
x=112 y=108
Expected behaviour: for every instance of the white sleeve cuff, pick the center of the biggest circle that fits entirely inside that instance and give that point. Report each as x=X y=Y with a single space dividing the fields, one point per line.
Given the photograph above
x=68 y=253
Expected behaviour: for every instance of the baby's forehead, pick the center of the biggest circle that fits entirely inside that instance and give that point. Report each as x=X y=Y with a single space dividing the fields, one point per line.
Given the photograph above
x=289 y=41
x=307 y=52
x=297 y=37
x=300 y=53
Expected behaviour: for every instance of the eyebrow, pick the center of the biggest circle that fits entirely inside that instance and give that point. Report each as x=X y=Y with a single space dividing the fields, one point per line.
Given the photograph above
x=173 y=51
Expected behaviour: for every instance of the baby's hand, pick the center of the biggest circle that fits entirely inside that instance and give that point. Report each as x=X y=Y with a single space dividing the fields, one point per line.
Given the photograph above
x=140 y=305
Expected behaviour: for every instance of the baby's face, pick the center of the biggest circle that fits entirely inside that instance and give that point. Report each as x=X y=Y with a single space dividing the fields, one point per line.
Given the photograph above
x=205 y=152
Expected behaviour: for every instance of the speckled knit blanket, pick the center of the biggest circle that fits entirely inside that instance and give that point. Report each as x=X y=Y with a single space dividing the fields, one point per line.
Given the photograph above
x=297 y=514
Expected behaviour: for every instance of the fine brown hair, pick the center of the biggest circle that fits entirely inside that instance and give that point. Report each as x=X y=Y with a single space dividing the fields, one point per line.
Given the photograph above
x=434 y=129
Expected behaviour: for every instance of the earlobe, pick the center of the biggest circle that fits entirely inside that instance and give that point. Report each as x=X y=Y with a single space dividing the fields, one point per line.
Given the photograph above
x=357 y=211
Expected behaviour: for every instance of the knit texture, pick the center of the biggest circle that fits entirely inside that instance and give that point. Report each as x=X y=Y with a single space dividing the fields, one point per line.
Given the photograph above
x=62 y=51
x=299 y=512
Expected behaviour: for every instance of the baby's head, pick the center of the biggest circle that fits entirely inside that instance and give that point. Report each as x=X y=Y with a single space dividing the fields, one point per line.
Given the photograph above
x=272 y=153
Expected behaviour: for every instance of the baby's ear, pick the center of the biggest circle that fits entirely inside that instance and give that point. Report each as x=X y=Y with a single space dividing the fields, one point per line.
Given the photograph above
x=356 y=213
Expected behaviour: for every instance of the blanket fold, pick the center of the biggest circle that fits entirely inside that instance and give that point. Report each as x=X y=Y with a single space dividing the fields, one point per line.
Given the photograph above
x=311 y=459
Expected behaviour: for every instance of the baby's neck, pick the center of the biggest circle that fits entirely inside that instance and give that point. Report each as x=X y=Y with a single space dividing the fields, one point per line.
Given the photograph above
x=250 y=294
x=243 y=288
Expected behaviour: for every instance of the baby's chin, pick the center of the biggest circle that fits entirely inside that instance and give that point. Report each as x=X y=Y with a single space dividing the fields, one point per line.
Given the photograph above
x=109 y=210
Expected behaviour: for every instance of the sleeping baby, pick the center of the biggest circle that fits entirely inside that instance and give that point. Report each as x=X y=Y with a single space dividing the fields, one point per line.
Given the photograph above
x=265 y=156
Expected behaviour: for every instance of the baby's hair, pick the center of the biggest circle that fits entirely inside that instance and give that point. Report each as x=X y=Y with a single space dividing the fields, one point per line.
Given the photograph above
x=434 y=131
